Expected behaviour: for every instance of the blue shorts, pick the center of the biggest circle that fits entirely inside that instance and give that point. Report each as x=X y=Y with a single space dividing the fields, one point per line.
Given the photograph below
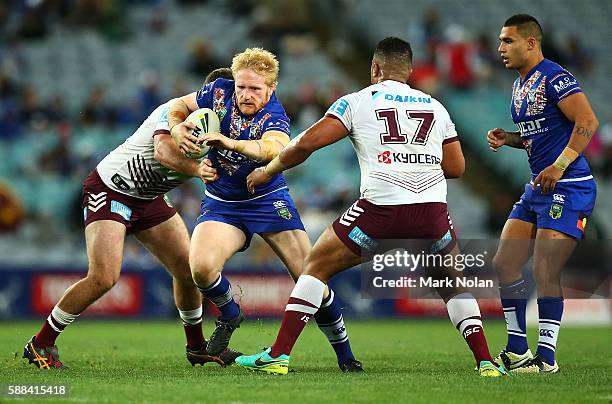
x=274 y=212
x=565 y=209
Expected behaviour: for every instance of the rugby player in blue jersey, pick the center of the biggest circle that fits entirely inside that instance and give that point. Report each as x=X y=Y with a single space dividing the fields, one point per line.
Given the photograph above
x=254 y=130
x=555 y=124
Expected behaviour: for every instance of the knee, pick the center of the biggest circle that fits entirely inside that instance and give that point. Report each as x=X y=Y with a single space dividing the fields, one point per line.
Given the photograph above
x=181 y=271
x=504 y=264
x=204 y=270
x=102 y=282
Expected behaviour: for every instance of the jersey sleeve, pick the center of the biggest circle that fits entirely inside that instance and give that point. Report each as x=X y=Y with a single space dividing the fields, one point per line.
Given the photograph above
x=561 y=85
x=204 y=96
x=277 y=122
x=162 y=127
x=448 y=127
x=344 y=109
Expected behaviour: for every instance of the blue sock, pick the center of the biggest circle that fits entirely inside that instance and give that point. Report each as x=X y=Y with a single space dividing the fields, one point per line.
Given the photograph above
x=514 y=303
x=331 y=323
x=550 y=310
x=220 y=293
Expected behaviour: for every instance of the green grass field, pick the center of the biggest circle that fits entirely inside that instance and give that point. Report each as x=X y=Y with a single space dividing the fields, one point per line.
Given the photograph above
x=405 y=361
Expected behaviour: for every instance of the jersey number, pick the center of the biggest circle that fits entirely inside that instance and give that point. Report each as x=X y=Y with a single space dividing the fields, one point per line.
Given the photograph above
x=393 y=133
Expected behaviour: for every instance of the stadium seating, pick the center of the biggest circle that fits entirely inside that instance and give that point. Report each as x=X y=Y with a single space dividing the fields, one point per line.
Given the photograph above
x=71 y=62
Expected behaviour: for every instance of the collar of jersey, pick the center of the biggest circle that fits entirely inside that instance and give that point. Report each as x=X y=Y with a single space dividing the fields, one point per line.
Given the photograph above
x=528 y=75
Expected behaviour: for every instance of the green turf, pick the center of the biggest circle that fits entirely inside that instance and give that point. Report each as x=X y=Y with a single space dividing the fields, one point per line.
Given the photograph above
x=405 y=361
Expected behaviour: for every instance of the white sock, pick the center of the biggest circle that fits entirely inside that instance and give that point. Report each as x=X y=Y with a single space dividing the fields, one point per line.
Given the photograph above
x=60 y=317
x=192 y=317
x=309 y=289
x=463 y=311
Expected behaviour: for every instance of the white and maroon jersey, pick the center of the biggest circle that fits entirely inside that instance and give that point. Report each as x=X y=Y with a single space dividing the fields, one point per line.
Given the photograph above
x=397 y=133
x=131 y=168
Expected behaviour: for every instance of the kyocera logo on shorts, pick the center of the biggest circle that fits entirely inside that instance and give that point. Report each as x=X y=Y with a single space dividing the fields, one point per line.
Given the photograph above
x=388 y=157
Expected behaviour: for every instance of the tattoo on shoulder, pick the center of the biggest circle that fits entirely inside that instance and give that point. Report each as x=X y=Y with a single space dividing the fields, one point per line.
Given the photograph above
x=582 y=131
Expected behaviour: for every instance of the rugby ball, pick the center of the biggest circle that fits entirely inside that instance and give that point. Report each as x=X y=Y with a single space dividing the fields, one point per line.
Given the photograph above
x=206 y=121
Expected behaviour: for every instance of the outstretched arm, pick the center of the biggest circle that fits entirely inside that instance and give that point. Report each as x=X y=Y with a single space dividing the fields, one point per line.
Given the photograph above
x=326 y=131
x=262 y=150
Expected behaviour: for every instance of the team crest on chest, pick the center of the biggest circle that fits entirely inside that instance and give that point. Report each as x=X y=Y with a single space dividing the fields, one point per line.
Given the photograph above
x=536 y=97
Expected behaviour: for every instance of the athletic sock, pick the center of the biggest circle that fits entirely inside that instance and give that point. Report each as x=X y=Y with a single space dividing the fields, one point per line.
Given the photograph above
x=192 y=324
x=514 y=303
x=220 y=293
x=53 y=327
x=464 y=313
x=550 y=311
x=303 y=303
x=331 y=323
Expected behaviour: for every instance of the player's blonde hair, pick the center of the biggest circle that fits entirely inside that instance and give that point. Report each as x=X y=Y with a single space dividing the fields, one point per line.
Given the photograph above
x=259 y=60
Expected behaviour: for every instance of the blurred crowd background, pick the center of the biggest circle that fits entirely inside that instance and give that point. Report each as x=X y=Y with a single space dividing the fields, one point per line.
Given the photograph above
x=78 y=76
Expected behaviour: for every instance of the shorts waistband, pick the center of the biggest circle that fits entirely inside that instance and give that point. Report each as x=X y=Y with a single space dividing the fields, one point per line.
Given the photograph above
x=208 y=194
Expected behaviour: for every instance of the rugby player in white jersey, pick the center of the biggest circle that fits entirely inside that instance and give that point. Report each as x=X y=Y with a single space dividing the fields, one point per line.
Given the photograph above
x=406 y=144
x=125 y=194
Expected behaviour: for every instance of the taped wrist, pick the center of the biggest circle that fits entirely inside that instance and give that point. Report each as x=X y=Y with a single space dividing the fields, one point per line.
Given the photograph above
x=566 y=158
x=274 y=167
x=269 y=147
x=177 y=114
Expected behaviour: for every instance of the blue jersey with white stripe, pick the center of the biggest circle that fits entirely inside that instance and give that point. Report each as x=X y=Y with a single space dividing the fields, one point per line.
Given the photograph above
x=233 y=167
x=545 y=131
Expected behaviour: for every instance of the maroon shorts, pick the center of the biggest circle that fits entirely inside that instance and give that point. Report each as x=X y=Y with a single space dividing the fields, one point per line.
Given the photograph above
x=102 y=203
x=364 y=225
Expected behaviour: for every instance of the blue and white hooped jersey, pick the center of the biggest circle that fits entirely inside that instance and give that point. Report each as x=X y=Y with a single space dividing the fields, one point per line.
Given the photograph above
x=233 y=167
x=545 y=131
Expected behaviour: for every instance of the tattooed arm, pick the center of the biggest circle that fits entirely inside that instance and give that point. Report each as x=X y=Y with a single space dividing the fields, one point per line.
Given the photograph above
x=577 y=109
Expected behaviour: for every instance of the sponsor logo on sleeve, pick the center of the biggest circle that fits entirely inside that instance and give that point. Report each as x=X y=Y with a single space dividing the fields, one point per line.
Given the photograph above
x=564 y=83
x=339 y=107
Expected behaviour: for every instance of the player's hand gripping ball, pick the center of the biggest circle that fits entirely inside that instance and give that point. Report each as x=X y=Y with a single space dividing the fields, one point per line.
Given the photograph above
x=206 y=121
